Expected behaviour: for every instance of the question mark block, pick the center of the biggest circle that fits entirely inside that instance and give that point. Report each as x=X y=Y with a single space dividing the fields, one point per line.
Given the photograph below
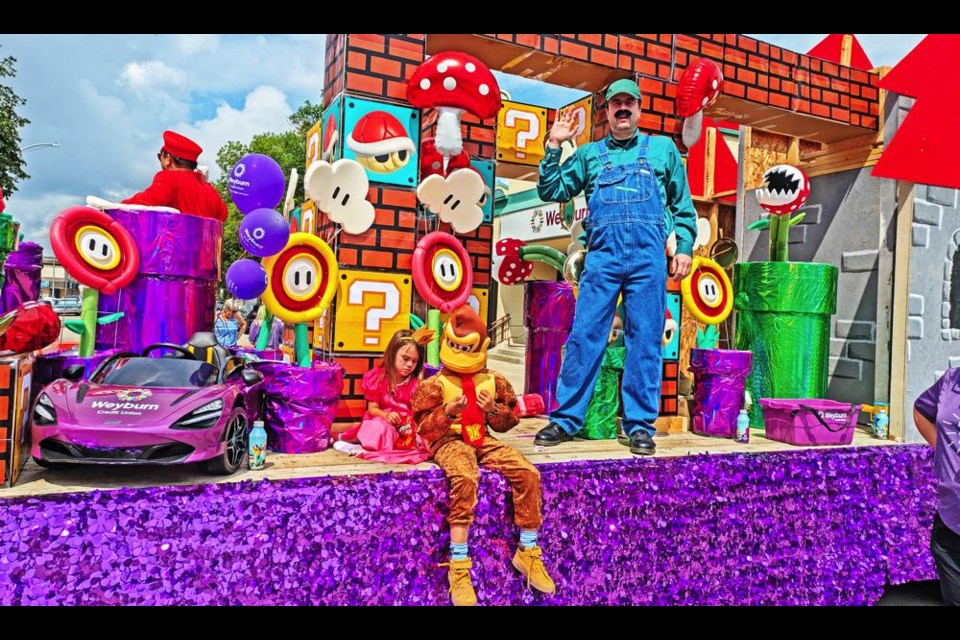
x=478 y=300
x=371 y=307
x=520 y=132
x=583 y=115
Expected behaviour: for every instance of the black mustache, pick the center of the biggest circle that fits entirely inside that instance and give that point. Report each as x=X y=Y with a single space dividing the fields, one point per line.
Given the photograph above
x=623 y=113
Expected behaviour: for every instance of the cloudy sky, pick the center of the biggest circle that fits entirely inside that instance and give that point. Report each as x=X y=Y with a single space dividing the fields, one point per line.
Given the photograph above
x=105 y=99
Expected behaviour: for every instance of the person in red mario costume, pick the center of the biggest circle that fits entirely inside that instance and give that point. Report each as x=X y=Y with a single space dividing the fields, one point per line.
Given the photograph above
x=452 y=411
x=178 y=184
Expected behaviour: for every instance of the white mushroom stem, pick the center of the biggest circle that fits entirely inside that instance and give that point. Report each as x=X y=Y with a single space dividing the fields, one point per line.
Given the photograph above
x=449 y=138
x=692 y=126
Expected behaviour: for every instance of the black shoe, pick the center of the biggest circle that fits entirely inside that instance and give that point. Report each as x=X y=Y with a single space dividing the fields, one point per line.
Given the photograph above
x=551 y=435
x=642 y=444
x=623 y=439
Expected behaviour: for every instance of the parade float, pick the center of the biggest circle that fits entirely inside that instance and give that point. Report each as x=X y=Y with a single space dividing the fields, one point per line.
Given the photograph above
x=758 y=524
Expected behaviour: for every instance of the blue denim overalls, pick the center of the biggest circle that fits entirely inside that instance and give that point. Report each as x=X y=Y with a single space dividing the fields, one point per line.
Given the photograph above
x=626 y=240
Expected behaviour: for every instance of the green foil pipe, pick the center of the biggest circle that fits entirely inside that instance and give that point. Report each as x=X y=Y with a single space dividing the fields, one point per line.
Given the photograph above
x=301 y=345
x=783 y=317
x=263 y=338
x=433 y=348
x=88 y=315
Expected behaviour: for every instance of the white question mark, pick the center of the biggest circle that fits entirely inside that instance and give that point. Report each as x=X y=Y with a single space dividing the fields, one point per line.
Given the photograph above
x=523 y=137
x=374 y=317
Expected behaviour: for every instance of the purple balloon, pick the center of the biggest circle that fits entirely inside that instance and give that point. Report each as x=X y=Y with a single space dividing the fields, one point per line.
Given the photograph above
x=263 y=232
x=256 y=182
x=246 y=279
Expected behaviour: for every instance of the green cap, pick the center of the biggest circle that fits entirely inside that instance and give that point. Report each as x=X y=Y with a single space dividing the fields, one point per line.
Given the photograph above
x=623 y=85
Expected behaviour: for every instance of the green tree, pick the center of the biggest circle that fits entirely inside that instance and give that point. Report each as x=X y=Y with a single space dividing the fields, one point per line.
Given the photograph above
x=11 y=161
x=288 y=148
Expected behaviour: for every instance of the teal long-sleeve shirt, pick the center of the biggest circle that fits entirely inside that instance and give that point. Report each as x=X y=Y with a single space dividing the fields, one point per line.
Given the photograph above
x=560 y=183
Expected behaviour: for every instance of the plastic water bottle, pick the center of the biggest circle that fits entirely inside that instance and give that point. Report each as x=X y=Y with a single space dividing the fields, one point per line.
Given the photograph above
x=743 y=426
x=881 y=423
x=258 y=446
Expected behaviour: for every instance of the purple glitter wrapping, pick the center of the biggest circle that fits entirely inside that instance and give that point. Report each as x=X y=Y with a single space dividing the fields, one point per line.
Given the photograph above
x=824 y=527
x=174 y=294
x=720 y=379
x=548 y=316
x=300 y=404
x=22 y=276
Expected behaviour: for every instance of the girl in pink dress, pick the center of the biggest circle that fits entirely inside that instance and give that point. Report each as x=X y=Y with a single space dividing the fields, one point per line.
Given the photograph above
x=386 y=433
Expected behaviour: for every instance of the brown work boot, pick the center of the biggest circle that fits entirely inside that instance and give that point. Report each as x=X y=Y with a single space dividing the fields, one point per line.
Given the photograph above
x=461 y=588
x=529 y=563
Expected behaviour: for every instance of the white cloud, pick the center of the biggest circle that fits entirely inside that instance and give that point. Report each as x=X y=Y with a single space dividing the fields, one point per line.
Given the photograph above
x=264 y=109
x=148 y=75
x=107 y=100
x=193 y=43
x=45 y=209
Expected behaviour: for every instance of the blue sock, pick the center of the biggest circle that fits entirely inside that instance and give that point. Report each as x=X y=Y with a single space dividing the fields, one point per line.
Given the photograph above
x=458 y=550
x=528 y=538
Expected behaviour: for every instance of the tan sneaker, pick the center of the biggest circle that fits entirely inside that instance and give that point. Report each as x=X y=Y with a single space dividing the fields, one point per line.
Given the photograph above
x=461 y=588
x=529 y=563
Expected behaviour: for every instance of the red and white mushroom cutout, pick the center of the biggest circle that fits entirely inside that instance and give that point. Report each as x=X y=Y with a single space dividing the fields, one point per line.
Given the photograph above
x=453 y=82
x=700 y=86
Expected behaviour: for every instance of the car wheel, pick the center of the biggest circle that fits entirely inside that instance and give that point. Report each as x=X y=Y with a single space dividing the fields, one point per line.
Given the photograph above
x=235 y=451
x=53 y=466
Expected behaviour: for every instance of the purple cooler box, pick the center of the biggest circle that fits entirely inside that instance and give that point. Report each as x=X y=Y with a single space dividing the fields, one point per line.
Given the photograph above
x=809 y=421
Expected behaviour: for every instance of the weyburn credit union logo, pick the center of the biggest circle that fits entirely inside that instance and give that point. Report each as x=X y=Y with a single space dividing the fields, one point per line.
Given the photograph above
x=133 y=395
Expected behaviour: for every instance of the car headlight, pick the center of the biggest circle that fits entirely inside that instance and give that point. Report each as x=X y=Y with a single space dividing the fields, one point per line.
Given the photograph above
x=202 y=417
x=43 y=411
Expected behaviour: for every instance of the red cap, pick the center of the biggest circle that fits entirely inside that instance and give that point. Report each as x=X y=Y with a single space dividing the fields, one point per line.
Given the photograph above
x=180 y=146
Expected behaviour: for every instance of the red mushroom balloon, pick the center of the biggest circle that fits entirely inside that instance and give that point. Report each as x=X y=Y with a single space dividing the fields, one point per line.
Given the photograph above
x=453 y=82
x=700 y=86
x=2 y=203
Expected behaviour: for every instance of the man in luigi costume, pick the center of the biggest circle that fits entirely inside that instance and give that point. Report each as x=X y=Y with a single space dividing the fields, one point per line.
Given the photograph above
x=637 y=193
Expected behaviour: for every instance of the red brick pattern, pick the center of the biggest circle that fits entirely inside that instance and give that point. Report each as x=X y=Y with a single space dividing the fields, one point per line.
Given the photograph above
x=378 y=65
x=389 y=243
x=753 y=70
x=334 y=66
x=669 y=389
x=352 y=405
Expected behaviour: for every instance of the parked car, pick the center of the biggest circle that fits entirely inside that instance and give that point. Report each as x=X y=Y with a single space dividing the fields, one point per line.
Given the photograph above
x=192 y=404
x=68 y=304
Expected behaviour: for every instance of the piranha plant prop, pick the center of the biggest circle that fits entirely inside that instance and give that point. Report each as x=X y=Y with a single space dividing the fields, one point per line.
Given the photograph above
x=785 y=189
x=513 y=260
x=784 y=308
x=101 y=255
x=453 y=82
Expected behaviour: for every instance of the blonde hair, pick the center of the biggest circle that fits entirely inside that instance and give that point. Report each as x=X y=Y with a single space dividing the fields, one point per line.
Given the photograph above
x=228 y=306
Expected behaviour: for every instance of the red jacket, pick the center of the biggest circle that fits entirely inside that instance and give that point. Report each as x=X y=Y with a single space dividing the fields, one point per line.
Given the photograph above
x=183 y=190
